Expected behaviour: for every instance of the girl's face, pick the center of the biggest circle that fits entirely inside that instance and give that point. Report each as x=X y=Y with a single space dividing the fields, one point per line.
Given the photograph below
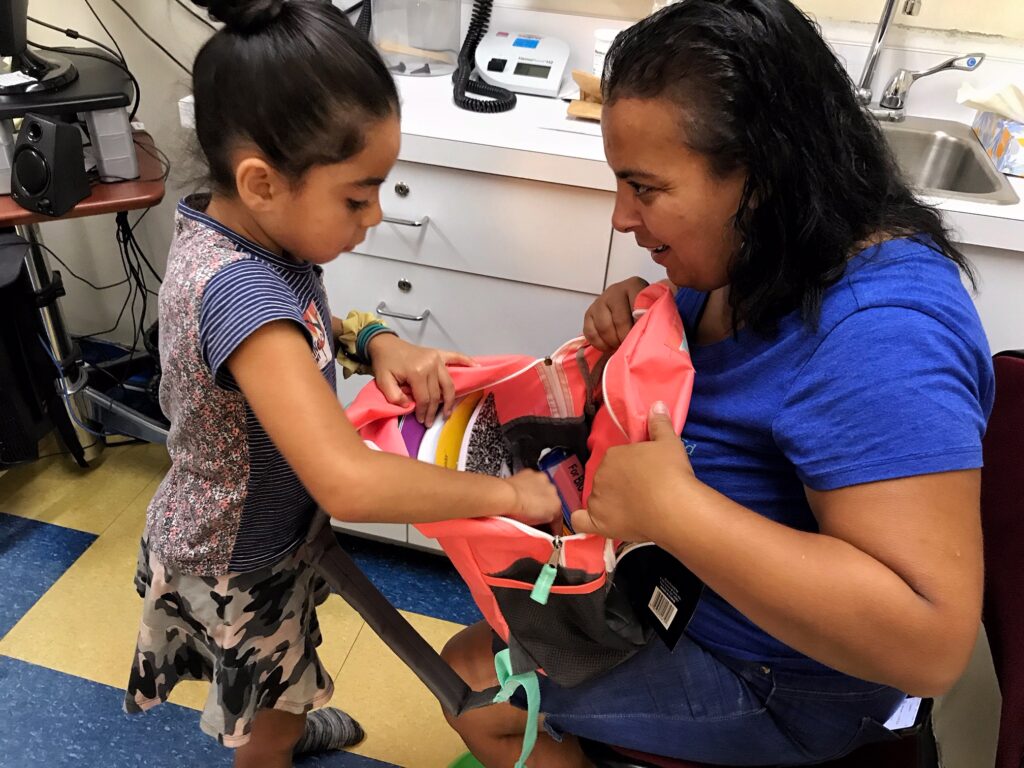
x=667 y=195
x=330 y=211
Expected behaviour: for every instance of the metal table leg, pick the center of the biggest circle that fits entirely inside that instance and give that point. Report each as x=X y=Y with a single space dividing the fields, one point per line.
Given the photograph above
x=74 y=377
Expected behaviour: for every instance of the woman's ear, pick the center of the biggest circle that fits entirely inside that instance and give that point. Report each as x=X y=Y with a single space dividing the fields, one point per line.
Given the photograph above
x=259 y=185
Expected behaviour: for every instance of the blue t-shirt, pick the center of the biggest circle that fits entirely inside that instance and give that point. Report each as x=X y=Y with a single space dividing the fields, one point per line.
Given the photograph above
x=896 y=381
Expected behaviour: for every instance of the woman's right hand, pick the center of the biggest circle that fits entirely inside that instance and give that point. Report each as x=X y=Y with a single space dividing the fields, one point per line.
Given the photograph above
x=536 y=501
x=610 y=317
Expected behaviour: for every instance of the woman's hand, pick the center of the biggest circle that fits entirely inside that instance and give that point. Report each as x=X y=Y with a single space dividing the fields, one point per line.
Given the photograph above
x=537 y=501
x=403 y=369
x=610 y=317
x=638 y=486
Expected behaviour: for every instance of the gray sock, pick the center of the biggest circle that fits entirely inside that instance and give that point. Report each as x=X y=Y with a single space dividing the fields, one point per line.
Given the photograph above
x=328 y=729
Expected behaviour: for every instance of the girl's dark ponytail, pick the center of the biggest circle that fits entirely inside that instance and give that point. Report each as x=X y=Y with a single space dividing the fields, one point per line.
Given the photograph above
x=291 y=78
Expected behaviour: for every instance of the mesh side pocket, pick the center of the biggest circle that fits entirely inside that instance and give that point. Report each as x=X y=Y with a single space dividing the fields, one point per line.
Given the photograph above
x=570 y=637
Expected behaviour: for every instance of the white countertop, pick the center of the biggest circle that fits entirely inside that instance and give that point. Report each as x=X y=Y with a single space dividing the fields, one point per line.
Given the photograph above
x=536 y=140
x=532 y=141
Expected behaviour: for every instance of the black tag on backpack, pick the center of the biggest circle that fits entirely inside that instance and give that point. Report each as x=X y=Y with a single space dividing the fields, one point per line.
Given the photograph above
x=661 y=590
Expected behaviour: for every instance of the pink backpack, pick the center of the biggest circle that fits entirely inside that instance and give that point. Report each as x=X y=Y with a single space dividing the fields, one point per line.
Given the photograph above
x=547 y=595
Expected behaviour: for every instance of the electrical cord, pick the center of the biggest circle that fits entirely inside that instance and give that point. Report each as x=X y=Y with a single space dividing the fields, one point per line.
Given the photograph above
x=196 y=15
x=149 y=37
x=89 y=54
x=74 y=34
x=77 y=276
x=498 y=99
x=104 y=28
x=365 y=19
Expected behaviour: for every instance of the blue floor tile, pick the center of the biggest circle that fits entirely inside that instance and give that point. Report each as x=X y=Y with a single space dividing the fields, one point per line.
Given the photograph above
x=414 y=581
x=48 y=718
x=33 y=555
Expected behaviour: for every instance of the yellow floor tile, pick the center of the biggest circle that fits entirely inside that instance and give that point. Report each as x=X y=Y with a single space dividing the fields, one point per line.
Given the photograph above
x=402 y=719
x=86 y=623
x=58 y=491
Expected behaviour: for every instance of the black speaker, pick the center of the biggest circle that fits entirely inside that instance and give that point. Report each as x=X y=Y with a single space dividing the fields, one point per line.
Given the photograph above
x=48 y=170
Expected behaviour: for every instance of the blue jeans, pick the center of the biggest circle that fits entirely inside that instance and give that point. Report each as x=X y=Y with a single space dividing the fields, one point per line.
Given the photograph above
x=691 y=704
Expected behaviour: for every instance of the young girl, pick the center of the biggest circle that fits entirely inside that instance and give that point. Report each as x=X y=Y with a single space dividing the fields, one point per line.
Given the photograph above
x=297 y=117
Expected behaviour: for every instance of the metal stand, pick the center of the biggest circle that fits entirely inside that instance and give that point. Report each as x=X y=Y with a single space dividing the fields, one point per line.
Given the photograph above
x=73 y=378
x=90 y=412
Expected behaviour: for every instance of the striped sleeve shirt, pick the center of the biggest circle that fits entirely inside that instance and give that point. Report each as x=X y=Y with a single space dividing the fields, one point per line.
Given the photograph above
x=230 y=502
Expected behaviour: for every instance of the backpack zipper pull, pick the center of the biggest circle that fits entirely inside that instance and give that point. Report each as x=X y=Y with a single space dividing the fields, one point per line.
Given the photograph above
x=542 y=587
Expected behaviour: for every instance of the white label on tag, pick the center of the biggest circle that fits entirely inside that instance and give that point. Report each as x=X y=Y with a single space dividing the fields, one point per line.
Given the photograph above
x=15 y=78
x=905 y=715
x=662 y=608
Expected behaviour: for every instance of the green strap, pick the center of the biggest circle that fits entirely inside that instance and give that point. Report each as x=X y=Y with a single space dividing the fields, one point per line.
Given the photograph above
x=531 y=687
x=542 y=587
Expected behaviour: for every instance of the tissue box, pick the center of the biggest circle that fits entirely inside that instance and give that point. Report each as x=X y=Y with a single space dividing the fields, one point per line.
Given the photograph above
x=1003 y=139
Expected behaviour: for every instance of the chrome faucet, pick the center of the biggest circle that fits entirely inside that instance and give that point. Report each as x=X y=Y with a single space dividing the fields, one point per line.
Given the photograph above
x=895 y=94
x=910 y=8
x=892 y=105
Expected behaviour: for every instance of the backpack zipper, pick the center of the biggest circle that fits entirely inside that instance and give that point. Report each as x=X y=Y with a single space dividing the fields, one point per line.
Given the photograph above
x=542 y=587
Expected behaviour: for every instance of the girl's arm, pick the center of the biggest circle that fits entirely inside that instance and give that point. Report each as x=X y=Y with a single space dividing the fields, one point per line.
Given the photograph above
x=296 y=406
x=889 y=589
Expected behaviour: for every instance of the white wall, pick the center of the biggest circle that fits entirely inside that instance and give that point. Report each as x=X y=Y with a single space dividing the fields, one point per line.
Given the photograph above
x=990 y=17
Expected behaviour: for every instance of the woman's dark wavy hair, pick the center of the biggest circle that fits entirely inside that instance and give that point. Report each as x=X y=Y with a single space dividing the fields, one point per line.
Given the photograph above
x=759 y=90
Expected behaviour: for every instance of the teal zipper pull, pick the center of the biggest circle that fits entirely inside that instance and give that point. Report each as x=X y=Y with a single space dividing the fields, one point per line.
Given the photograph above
x=542 y=587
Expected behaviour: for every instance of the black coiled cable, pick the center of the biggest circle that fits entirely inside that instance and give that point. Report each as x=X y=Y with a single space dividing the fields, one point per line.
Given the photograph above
x=500 y=99
x=365 y=19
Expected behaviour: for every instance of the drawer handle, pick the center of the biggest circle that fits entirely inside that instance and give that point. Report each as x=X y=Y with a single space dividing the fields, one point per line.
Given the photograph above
x=382 y=309
x=408 y=222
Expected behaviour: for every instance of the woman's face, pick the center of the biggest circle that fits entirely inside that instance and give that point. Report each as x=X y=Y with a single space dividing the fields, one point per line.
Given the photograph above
x=667 y=195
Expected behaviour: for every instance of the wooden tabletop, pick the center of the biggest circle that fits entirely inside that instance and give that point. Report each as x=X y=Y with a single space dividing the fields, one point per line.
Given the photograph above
x=144 y=192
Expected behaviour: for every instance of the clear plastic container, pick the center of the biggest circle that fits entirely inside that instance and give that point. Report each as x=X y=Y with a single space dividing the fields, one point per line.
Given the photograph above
x=417 y=37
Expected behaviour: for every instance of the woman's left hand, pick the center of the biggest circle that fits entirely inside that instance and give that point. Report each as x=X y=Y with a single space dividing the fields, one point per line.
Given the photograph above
x=403 y=370
x=640 y=486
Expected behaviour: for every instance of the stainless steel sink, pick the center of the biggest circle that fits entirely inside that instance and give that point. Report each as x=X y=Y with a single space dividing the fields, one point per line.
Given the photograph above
x=942 y=158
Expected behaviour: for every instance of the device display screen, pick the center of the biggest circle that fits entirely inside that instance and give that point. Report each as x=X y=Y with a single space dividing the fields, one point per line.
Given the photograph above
x=532 y=70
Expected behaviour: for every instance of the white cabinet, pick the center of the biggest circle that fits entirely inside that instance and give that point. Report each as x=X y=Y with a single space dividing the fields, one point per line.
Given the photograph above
x=518 y=229
x=467 y=313
x=497 y=265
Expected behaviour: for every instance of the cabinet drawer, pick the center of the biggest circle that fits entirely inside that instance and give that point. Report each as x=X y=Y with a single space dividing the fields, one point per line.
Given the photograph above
x=418 y=540
x=530 y=231
x=467 y=313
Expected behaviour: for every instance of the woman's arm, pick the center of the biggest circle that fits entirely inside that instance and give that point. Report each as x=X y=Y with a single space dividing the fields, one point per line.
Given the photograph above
x=889 y=590
x=274 y=370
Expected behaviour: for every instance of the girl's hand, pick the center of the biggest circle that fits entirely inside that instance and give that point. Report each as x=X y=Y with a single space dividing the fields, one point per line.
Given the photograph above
x=537 y=501
x=639 y=487
x=610 y=317
x=403 y=369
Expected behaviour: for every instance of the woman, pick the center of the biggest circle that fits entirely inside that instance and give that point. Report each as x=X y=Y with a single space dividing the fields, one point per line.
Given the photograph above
x=827 y=493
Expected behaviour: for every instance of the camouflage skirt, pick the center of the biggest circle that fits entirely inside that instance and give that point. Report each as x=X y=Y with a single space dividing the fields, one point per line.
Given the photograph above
x=252 y=635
